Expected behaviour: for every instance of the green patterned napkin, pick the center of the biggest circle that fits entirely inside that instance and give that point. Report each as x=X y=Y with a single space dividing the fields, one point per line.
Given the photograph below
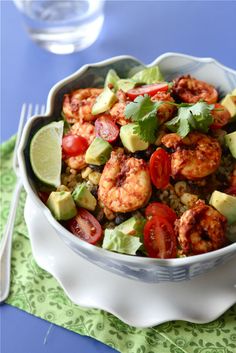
x=37 y=292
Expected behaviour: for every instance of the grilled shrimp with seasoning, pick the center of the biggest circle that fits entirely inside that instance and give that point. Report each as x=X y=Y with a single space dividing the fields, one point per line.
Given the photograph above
x=201 y=229
x=190 y=90
x=86 y=130
x=77 y=105
x=195 y=155
x=166 y=110
x=164 y=113
x=125 y=183
x=117 y=112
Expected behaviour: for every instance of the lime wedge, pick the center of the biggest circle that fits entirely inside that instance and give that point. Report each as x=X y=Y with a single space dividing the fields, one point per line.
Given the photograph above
x=46 y=155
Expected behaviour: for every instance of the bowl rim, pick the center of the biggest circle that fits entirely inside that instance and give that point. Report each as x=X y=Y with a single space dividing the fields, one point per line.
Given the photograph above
x=175 y=262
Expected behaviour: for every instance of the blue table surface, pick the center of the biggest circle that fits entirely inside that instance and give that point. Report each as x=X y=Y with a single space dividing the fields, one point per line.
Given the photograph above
x=144 y=29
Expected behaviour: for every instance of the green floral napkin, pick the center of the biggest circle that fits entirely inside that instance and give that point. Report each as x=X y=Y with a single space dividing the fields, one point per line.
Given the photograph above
x=37 y=292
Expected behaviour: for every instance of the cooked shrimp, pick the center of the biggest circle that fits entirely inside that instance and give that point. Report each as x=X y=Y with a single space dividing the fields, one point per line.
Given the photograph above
x=77 y=106
x=196 y=155
x=117 y=112
x=191 y=90
x=201 y=229
x=166 y=110
x=125 y=183
x=87 y=131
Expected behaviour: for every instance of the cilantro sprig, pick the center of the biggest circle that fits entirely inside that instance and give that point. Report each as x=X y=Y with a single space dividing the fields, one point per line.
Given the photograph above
x=191 y=117
x=144 y=112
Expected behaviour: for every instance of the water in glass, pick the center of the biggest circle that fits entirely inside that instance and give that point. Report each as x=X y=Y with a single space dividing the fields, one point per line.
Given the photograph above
x=60 y=26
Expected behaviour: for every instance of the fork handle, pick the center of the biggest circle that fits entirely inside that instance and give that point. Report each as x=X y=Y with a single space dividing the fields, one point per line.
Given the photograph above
x=6 y=244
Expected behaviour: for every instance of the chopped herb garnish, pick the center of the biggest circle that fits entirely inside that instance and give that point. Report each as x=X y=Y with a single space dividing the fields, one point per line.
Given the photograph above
x=189 y=118
x=144 y=112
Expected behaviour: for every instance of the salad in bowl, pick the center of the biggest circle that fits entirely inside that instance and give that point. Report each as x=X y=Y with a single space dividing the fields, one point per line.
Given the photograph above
x=136 y=167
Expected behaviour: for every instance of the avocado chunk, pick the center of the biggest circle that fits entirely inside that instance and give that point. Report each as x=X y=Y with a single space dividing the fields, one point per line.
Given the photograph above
x=132 y=226
x=225 y=204
x=117 y=241
x=230 y=140
x=83 y=197
x=98 y=152
x=62 y=205
x=148 y=75
x=126 y=84
x=132 y=140
x=111 y=79
x=233 y=92
x=229 y=102
x=104 y=101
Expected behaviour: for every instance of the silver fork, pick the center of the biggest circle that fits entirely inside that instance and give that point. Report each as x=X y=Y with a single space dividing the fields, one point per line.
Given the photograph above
x=6 y=244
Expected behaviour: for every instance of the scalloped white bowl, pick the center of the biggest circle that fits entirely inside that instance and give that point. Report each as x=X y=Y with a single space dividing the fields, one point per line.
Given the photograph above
x=134 y=267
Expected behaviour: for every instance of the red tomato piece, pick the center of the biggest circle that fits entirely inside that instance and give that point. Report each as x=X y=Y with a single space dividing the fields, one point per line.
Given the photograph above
x=85 y=226
x=159 y=238
x=150 y=90
x=160 y=168
x=160 y=209
x=220 y=115
x=106 y=128
x=74 y=145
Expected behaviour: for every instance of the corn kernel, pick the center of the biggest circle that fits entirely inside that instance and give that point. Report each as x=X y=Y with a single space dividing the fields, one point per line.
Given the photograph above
x=85 y=172
x=188 y=199
x=94 y=177
x=180 y=188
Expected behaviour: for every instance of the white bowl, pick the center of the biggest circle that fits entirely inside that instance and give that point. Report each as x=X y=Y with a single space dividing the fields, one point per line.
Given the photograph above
x=92 y=75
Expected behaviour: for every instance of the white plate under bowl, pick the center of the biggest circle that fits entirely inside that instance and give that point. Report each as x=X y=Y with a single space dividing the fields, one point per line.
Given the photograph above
x=200 y=300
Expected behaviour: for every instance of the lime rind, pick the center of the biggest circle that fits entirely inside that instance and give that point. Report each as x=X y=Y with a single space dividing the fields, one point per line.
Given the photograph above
x=46 y=153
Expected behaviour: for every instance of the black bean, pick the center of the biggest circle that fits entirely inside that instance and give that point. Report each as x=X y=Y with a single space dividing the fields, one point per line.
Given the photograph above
x=96 y=168
x=146 y=154
x=139 y=155
x=149 y=151
x=94 y=191
x=121 y=217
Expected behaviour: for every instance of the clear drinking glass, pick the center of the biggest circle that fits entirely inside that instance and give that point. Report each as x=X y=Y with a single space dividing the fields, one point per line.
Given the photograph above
x=62 y=27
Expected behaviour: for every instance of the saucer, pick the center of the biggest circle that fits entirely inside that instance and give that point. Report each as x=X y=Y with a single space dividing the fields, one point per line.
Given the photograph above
x=138 y=304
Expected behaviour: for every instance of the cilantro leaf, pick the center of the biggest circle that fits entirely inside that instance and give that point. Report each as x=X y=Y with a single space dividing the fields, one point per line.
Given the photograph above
x=189 y=118
x=143 y=111
x=147 y=127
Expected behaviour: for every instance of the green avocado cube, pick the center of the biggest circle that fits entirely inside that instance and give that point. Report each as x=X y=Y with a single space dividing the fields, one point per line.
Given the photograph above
x=234 y=92
x=131 y=140
x=111 y=79
x=98 y=152
x=225 y=204
x=229 y=102
x=230 y=140
x=126 y=84
x=132 y=226
x=104 y=101
x=148 y=75
x=115 y=240
x=83 y=197
x=62 y=205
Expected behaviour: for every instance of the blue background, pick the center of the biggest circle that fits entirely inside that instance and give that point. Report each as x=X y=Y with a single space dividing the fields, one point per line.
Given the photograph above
x=144 y=29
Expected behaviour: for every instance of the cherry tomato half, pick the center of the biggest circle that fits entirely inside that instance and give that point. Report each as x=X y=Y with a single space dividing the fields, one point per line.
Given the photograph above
x=160 y=168
x=220 y=115
x=150 y=90
x=106 y=128
x=160 y=238
x=160 y=209
x=85 y=226
x=74 y=145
